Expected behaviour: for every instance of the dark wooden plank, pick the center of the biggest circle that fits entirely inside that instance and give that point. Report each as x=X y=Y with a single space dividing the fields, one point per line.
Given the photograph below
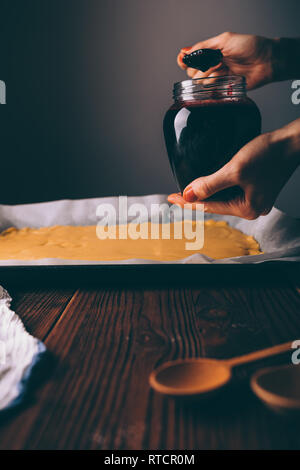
x=106 y=343
x=40 y=308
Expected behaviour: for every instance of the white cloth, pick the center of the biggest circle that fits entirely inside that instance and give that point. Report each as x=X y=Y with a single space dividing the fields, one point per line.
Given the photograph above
x=19 y=353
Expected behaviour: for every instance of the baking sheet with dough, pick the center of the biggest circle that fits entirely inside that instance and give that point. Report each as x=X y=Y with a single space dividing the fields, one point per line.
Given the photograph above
x=154 y=241
x=277 y=233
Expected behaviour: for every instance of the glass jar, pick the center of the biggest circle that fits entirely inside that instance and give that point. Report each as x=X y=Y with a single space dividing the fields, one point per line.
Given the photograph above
x=210 y=120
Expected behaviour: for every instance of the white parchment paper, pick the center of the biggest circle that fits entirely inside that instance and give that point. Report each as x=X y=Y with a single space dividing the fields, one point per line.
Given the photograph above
x=277 y=233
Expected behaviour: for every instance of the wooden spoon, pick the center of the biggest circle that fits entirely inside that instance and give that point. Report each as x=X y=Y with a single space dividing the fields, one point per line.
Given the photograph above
x=187 y=377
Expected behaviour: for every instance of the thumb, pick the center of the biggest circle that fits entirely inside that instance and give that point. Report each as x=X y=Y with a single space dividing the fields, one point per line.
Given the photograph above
x=206 y=186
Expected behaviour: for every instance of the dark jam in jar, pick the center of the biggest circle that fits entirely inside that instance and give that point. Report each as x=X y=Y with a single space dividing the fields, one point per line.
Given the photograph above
x=210 y=120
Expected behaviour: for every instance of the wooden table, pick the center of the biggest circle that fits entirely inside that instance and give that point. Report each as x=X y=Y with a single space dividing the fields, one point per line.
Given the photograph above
x=104 y=342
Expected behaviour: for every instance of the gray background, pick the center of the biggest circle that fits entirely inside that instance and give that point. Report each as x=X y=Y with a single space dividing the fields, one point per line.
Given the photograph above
x=88 y=83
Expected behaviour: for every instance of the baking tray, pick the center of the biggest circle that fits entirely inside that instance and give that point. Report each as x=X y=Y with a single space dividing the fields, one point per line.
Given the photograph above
x=277 y=233
x=139 y=275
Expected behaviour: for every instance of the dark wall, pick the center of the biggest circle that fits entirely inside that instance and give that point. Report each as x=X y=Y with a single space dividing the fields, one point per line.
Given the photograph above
x=88 y=83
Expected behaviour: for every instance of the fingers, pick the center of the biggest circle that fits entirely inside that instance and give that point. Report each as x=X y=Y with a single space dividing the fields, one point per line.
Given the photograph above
x=211 y=43
x=236 y=207
x=177 y=199
x=204 y=187
x=217 y=71
x=182 y=53
x=218 y=207
x=194 y=73
x=239 y=207
x=224 y=208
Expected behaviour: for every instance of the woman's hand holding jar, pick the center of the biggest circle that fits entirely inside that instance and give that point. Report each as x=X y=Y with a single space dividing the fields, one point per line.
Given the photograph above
x=262 y=166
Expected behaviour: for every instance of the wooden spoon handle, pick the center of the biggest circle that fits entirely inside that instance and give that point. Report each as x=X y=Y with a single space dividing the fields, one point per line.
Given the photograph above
x=263 y=353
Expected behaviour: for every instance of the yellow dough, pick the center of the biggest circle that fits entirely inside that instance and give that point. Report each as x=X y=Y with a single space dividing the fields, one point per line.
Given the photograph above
x=82 y=243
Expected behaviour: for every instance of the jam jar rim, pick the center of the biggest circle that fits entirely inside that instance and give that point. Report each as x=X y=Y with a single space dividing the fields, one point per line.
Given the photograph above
x=193 y=81
x=217 y=87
